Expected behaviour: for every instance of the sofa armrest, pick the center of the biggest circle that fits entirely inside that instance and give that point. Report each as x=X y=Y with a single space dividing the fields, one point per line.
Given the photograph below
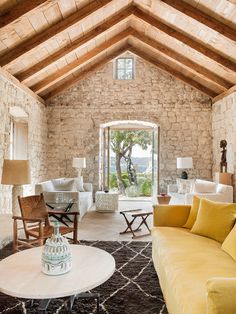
x=221 y=295
x=170 y=215
x=88 y=187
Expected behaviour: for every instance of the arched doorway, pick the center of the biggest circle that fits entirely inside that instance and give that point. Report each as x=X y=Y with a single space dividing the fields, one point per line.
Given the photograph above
x=128 y=163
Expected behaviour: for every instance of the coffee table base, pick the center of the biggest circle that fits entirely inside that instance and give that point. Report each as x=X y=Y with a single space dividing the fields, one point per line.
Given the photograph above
x=43 y=304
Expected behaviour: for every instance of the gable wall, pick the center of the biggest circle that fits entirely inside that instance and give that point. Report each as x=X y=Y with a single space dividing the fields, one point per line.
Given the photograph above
x=183 y=114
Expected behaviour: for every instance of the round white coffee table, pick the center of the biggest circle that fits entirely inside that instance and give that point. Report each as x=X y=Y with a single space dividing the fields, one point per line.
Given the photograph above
x=21 y=274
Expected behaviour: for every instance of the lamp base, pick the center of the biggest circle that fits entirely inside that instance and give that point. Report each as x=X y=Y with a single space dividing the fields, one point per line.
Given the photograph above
x=17 y=190
x=184 y=175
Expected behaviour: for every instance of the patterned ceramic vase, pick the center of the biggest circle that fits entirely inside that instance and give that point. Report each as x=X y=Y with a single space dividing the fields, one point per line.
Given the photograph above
x=56 y=256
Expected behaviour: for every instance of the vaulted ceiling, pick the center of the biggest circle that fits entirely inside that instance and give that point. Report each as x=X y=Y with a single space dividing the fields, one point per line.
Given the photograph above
x=48 y=45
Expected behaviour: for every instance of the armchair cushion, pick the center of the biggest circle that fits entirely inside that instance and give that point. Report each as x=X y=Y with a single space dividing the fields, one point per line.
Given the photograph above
x=214 y=220
x=63 y=184
x=202 y=186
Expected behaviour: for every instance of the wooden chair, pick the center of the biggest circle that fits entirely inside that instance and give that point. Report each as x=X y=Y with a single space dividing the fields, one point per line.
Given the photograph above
x=36 y=224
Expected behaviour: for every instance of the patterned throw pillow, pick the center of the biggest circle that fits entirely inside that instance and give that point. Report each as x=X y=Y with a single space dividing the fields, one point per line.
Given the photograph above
x=185 y=186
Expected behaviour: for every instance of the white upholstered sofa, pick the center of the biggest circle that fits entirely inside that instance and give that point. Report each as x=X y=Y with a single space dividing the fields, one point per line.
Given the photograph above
x=204 y=189
x=65 y=190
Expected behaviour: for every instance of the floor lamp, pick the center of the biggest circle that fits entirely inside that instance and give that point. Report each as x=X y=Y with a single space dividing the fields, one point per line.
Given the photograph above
x=16 y=173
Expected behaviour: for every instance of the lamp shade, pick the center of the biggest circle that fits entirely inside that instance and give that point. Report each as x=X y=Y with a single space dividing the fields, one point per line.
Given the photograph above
x=184 y=162
x=79 y=162
x=16 y=172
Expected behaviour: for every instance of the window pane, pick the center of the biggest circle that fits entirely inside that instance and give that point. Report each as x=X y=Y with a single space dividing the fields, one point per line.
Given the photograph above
x=120 y=75
x=129 y=63
x=120 y=63
x=125 y=68
x=129 y=74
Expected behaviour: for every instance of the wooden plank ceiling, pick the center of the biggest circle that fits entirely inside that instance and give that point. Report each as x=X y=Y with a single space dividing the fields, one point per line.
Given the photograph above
x=48 y=45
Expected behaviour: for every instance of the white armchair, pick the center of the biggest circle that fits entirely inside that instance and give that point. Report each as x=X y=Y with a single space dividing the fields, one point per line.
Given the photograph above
x=66 y=189
x=204 y=189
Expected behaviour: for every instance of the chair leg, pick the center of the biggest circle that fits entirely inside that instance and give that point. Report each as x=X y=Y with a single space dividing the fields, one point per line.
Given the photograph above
x=41 y=240
x=75 y=232
x=15 y=236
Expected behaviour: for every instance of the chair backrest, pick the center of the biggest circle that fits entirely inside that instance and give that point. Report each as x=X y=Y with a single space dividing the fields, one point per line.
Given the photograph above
x=33 y=207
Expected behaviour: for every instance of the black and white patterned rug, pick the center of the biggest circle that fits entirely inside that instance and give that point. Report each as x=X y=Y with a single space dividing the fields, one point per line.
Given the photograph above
x=133 y=289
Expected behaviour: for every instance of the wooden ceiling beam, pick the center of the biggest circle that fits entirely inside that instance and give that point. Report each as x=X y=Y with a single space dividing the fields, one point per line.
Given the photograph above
x=87 y=71
x=224 y=94
x=170 y=70
x=92 y=34
x=202 y=17
x=19 y=10
x=200 y=47
x=183 y=60
x=73 y=66
x=51 y=31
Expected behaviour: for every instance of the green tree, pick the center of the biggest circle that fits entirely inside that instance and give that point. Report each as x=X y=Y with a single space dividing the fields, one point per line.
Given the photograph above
x=122 y=143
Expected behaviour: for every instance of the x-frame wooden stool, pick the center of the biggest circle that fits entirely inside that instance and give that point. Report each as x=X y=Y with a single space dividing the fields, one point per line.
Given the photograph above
x=135 y=213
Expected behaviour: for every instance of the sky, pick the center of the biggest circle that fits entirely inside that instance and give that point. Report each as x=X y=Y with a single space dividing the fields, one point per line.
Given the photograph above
x=139 y=152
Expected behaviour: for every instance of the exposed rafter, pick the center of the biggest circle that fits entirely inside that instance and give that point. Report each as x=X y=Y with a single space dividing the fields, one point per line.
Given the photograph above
x=19 y=10
x=210 y=81
x=88 y=70
x=73 y=66
x=50 y=32
x=182 y=59
x=90 y=35
x=202 y=17
x=172 y=71
x=185 y=39
x=223 y=95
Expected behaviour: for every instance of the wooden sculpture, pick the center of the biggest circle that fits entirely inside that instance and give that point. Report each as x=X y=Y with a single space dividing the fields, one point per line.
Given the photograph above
x=223 y=162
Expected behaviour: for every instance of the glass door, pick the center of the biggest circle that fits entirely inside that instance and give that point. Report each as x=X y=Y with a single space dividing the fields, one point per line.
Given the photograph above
x=155 y=164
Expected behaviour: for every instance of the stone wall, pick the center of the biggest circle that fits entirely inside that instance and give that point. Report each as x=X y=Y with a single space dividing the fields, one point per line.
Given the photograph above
x=10 y=96
x=224 y=128
x=183 y=114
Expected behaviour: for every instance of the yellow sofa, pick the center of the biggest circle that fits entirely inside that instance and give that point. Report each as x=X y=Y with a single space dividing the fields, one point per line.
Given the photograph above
x=195 y=274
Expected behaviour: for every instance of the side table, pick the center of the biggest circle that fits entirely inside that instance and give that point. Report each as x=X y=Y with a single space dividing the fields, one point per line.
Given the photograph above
x=106 y=202
x=130 y=217
x=163 y=199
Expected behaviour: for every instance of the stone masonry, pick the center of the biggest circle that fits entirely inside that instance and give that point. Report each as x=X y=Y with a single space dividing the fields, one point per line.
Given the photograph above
x=182 y=113
x=224 y=128
x=11 y=95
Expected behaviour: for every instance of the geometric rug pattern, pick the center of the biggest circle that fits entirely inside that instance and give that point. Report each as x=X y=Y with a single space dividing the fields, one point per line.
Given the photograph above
x=133 y=288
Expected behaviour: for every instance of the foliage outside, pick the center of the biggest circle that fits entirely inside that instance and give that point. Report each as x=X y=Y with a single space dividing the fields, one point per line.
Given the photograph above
x=144 y=184
x=130 y=182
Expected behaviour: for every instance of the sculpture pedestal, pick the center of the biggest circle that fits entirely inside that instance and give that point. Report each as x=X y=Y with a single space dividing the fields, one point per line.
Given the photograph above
x=223 y=178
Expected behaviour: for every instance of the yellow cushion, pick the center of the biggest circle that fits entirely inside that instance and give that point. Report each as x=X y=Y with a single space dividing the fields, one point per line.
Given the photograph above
x=214 y=220
x=229 y=244
x=193 y=213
